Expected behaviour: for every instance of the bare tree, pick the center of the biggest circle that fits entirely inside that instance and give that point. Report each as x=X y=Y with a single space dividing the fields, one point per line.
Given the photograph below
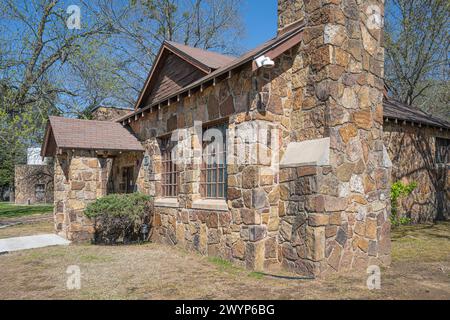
x=46 y=44
x=141 y=26
x=47 y=68
x=417 y=52
x=35 y=44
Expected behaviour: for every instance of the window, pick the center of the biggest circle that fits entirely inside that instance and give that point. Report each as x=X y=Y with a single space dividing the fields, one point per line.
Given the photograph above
x=170 y=174
x=214 y=167
x=442 y=150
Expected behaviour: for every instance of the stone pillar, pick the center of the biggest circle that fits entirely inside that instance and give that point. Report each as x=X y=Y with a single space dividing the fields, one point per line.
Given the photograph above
x=342 y=207
x=80 y=178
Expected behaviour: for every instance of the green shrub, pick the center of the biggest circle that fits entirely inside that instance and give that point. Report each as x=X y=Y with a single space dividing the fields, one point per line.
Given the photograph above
x=400 y=190
x=119 y=217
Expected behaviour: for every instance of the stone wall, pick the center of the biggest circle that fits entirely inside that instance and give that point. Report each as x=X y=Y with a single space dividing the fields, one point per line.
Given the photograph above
x=109 y=113
x=337 y=81
x=80 y=178
x=236 y=230
x=310 y=220
x=26 y=179
x=413 y=154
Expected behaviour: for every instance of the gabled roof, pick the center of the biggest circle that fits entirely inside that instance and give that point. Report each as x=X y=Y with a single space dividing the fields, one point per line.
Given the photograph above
x=271 y=48
x=398 y=111
x=209 y=59
x=67 y=133
x=110 y=107
x=202 y=61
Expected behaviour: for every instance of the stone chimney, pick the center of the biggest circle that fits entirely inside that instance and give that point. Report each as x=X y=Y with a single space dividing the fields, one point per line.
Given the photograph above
x=337 y=83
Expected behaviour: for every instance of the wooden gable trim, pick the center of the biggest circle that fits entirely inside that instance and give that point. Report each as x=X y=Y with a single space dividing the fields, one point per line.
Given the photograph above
x=156 y=66
x=288 y=42
x=188 y=58
x=46 y=138
x=149 y=77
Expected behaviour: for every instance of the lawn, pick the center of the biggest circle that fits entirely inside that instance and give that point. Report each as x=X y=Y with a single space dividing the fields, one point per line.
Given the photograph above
x=9 y=210
x=420 y=270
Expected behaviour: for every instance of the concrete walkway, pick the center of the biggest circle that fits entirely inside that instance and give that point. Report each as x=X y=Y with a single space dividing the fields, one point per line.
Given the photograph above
x=31 y=242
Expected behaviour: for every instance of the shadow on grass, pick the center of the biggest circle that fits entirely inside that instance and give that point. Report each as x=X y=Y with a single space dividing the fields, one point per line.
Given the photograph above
x=8 y=210
x=227 y=266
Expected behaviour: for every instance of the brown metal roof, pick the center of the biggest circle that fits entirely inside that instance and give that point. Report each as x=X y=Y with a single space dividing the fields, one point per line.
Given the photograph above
x=397 y=110
x=210 y=59
x=88 y=135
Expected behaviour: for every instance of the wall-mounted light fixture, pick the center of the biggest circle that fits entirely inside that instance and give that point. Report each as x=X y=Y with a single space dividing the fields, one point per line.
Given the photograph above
x=264 y=62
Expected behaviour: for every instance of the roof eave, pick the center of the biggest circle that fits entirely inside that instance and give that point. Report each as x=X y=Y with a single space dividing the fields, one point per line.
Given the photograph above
x=102 y=149
x=210 y=77
x=420 y=124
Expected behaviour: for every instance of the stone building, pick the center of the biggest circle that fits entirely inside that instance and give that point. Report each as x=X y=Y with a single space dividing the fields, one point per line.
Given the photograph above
x=33 y=182
x=419 y=147
x=273 y=159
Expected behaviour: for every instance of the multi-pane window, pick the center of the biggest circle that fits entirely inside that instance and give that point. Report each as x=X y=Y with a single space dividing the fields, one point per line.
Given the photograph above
x=214 y=168
x=442 y=150
x=170 y=173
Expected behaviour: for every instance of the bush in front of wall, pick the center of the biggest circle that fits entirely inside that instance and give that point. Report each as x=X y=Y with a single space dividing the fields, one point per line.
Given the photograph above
x=398 y=191
x=119 y=218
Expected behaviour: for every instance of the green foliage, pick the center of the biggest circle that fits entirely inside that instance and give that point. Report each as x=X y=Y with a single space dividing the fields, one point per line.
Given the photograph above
x=398 y=191
x=119 y=217
x=20 y=127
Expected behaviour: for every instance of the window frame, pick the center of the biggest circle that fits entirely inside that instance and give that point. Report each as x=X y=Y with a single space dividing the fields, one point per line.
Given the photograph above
x=441 y=144
x=170 y=174
x=42 y=191
x=211 y=186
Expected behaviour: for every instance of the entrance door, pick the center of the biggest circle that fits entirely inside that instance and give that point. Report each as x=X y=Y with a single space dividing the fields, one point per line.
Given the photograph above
x=127 y=179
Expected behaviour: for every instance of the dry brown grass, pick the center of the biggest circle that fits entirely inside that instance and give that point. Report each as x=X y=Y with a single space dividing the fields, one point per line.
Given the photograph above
x=27 y=229
x=425 y=243
x=155 y=271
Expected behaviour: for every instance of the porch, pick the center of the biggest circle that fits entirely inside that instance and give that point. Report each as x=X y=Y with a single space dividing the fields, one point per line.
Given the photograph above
x=92 y=159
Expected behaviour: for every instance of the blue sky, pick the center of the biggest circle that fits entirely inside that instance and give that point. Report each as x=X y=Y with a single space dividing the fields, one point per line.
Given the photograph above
x=260 y=18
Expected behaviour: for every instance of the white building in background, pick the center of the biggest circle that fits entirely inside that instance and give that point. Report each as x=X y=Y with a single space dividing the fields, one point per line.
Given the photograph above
x=34 y=157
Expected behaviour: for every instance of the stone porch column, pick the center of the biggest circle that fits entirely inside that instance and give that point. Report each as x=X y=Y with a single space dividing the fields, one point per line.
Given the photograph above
x=80 y=178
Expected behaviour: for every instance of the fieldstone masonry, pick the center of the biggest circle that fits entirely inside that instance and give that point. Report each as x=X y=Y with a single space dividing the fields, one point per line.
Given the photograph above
x=337 y=215
x=33 y=184
x=310 y=219
x=413 y=153
x=80 y=178
x=108 y=113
